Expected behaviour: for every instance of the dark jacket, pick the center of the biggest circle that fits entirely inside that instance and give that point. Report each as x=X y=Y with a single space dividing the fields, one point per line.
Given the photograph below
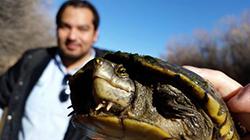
x=15 y=87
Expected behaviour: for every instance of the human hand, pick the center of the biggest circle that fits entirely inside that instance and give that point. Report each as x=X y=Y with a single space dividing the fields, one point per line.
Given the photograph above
x=236 y=97
x=225 y=85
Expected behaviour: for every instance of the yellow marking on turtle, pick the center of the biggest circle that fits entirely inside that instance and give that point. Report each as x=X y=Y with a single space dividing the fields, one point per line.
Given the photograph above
x=125 y=129
x=213 y=108
x=131 y=124
x=226 y=130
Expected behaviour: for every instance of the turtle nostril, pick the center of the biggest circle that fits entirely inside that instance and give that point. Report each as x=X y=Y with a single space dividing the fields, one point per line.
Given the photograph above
x=99 y=61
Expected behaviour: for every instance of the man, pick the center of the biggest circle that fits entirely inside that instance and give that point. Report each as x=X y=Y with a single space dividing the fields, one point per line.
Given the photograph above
x=35 y=89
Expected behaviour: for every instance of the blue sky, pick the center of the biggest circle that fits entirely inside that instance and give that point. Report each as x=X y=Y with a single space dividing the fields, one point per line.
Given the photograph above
x=146 y=26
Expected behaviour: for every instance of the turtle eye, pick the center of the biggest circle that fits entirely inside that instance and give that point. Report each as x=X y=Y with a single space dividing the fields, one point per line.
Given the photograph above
x=121 y=71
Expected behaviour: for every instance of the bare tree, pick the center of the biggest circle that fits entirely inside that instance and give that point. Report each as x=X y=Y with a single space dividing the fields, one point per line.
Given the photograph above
x=227 y=51
x=23 y=25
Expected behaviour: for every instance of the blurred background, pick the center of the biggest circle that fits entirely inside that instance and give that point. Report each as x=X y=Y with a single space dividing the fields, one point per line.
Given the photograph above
x=213 y=34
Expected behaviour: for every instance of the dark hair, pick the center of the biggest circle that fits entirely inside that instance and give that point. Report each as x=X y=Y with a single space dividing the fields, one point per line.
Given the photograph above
x=78 y=4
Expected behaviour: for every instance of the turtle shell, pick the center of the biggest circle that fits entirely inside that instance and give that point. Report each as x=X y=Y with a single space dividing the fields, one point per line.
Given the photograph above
x=158 y=75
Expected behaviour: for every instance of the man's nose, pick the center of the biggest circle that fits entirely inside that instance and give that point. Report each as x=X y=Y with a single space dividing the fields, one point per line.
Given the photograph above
x=72 y=34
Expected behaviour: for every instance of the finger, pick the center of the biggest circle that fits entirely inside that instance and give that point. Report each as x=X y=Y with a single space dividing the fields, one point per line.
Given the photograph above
x=241 y=101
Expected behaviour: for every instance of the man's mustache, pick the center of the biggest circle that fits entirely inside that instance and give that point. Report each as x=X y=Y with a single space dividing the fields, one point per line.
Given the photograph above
x=72 y=42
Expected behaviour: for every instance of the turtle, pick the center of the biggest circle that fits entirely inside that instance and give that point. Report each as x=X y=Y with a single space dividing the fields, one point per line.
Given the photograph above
x=131 y=97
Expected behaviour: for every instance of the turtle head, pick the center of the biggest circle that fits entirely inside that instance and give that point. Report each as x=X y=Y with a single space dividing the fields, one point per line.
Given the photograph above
x=101 y=91
x=112 y=87
x=101 y=87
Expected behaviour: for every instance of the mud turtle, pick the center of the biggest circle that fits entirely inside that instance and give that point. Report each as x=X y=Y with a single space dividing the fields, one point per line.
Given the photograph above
x=128 y=96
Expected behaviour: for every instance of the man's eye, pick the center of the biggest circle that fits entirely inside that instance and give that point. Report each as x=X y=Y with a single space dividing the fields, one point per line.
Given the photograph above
x=63 y=26
x=83 y=28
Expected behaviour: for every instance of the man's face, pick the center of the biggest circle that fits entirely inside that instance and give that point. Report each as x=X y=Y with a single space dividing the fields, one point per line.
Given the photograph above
x=76 y=33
